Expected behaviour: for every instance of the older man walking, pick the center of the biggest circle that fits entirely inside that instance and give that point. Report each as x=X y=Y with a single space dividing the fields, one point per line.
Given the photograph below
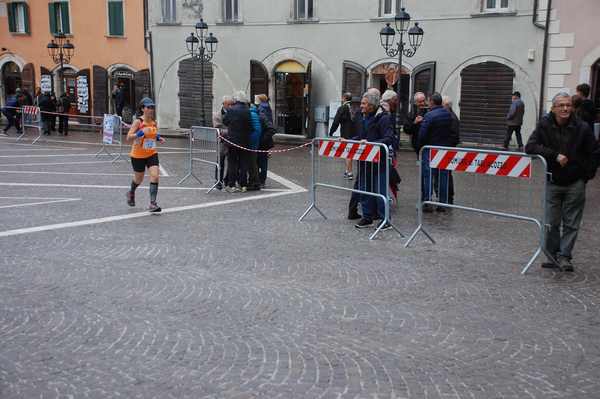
x=376 y=128
x=568 y=145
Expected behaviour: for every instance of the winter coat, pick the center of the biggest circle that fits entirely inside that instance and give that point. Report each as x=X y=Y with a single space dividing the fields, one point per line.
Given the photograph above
x=237 y=120
x=436 y=128
x=575 y=140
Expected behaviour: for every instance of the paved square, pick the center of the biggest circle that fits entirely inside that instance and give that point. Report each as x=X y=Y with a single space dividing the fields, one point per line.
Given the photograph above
x=228 y=296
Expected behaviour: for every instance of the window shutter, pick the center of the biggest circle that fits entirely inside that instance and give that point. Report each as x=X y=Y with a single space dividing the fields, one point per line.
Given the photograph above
x=64 y=13
x=26 y=17
x=12 y=17
x=52 y=17
x=115 y=18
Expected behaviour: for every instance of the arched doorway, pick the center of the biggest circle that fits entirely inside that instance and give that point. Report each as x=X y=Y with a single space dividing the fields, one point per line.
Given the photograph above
x=485 y=98
x=292 y=96
x=11 y=78
x=596 y=85
x=124 y=78
x=385 y=76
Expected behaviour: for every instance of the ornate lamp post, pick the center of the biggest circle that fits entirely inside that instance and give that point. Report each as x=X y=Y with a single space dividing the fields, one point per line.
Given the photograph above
x=400 y=48
x=61 y=50
x=202 y=46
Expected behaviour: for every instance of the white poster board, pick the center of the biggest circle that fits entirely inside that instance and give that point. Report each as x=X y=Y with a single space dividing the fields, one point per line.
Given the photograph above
x=46 y=83
x=82 y=94
x=111 y=125
x=333 y=107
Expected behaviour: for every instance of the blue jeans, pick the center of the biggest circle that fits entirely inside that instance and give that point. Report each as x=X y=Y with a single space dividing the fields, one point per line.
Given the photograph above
x=373 y=180
x=433 y=180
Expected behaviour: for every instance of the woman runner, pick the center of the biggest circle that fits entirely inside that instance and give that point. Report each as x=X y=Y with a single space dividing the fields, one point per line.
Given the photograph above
x=144 y=134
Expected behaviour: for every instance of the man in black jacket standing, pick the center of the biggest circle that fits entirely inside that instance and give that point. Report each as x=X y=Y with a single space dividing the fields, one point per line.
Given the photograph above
x=569 y=147
x=413 y=124
x=237 y=120
x=343 y=118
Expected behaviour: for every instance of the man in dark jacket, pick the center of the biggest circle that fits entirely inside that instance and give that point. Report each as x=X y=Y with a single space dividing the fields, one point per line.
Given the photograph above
x=64 y=104
x=413 y=124
x=514 y=121
x=237 y=120
x=45 y=104
x=10 y=112
x=572 y=154
x=376 y=128
x=455 y=140
x=344 y=120
x=436 y=129
x=586 y=110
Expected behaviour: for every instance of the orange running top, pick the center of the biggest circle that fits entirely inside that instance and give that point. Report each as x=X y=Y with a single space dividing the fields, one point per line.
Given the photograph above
x=145 y=147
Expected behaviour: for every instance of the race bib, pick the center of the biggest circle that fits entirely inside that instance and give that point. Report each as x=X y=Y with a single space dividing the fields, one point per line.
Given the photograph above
x=149 y=144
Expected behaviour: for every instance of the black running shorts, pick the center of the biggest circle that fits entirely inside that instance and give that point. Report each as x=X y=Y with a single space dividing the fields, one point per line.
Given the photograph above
x=140 y=164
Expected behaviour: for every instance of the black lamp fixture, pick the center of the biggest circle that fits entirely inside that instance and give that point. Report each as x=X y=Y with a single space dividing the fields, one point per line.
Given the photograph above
x=399 y=48
x=61 y=50
x=202 y=46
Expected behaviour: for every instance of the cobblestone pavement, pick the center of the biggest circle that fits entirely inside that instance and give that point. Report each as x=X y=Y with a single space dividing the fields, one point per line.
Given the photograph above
x=239 y=300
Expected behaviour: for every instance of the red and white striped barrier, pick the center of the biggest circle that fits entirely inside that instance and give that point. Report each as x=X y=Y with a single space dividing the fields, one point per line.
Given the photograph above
x=31 y=110
x=481 y=163
x=355 y=151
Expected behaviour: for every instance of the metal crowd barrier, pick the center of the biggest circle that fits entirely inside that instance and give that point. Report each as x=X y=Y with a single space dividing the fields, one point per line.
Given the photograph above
x=374 y=163
x=504 y=180
x=204 y=147
x=31 y=117
x=112 y=134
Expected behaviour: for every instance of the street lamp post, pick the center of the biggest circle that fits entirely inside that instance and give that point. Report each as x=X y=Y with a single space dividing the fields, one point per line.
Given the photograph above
x=415 y=39
x=61 y=50
x=202 y=46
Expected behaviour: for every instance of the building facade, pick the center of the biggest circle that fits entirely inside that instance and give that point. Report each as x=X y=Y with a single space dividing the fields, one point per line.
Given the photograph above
x=305 y=53
x=110 y=48
x=573 y=48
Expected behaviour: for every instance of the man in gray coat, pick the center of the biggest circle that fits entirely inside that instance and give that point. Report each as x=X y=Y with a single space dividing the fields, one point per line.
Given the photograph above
x=514 y=121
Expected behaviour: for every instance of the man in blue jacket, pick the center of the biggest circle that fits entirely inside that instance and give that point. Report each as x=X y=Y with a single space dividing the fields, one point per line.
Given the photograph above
x=436 y=129
x=376 y=128
x=10 y=112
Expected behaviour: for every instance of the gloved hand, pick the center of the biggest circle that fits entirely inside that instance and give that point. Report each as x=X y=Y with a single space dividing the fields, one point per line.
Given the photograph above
x=140 y=133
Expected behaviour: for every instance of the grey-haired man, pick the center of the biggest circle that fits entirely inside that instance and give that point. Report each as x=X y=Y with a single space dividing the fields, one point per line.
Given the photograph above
x=569 y=147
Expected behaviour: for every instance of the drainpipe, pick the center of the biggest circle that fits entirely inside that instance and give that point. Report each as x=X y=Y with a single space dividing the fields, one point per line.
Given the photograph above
x=544 y=59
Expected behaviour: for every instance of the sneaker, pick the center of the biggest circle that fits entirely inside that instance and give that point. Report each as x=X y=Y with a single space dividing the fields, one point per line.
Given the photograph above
x=3 y=133
x=219 y=186
x=130 y=198
x=154 y=208
x=349 y=176
x=385 y=226
x=565 y=264
x=243 y=189
x=231 y=190
x=353 y=215
x=363 y=223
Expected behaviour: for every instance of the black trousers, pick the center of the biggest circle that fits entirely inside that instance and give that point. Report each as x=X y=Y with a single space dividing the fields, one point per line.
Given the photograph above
x=63 y=125
x=509 y=132
x=237 y=167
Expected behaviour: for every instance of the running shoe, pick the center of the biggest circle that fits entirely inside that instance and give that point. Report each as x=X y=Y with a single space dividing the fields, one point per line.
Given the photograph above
x=130 y=198
x=154 y=208
x=231 y=190
x=364 y=223
x=384 y=227
x=3 y=133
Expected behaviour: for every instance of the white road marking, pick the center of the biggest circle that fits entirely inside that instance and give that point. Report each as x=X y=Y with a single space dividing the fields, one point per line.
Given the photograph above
x=97 y=143
x=285 y=182
x=36 y=172
x=53 y=163
x=39 y=203
x=163 y=171
x=136 y=215
x=14 y=184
